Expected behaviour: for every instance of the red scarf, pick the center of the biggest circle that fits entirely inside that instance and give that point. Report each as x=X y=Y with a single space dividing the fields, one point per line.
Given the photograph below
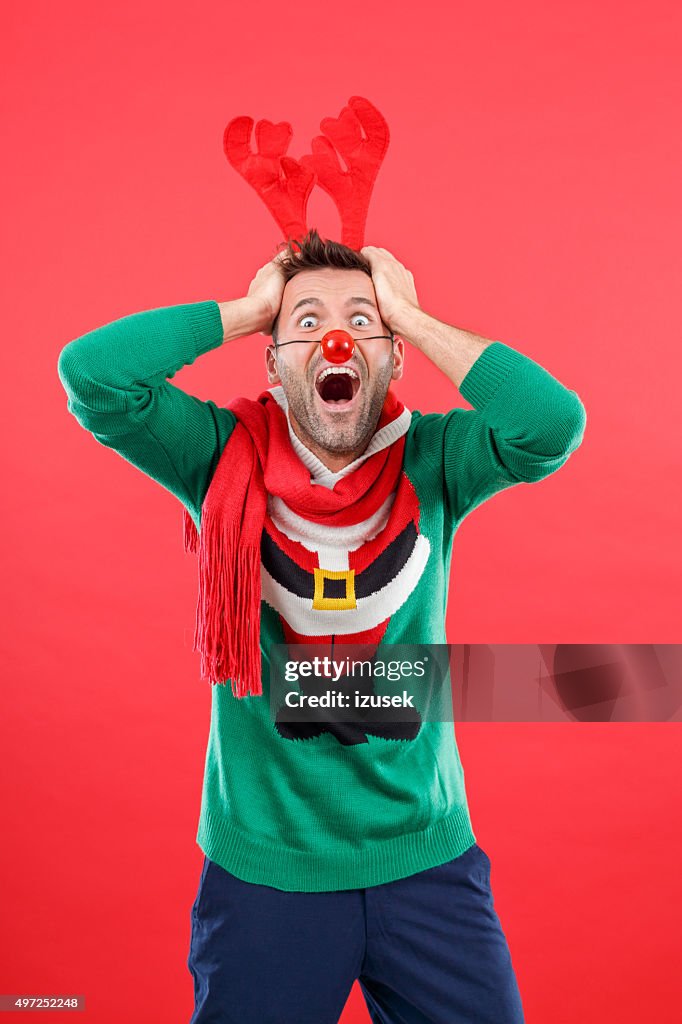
x=259 y=459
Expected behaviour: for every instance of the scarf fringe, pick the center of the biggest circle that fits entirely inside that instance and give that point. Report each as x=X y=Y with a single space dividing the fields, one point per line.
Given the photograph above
x=225 y=601
x=190 y=534
x=233 y=513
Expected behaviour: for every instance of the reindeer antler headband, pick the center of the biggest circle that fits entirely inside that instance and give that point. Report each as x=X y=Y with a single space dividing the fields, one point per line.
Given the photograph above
x=359 y=135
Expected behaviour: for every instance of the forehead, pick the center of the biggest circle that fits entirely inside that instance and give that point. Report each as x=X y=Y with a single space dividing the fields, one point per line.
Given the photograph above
x=327 y=284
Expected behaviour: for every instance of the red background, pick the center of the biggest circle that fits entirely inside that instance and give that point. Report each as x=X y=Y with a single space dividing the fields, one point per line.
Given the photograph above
x=532 y=186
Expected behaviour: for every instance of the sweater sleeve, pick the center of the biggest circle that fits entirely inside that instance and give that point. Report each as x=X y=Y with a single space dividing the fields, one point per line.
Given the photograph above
x=117 y=382
x=524 y=426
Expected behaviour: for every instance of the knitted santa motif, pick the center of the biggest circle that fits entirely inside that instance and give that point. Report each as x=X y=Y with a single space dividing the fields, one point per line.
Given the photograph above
x=262 y=518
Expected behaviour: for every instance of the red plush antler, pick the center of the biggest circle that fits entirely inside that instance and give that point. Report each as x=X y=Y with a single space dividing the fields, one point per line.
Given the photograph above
x=351 y=190
x=282 y=182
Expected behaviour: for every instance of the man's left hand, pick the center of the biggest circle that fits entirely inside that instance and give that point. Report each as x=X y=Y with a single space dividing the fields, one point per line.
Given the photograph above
x=393 y=285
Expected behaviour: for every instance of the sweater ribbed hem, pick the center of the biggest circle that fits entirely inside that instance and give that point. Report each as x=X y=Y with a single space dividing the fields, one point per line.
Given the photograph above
x=207 y=325
x=350 y=868
x=495 y=363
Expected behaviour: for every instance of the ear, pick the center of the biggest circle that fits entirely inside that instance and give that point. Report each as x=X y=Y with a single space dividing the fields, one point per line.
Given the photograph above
x=271 y=365
x=398 y=358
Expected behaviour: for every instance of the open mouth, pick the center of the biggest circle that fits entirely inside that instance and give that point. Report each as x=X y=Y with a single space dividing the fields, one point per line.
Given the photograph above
x=337 y=385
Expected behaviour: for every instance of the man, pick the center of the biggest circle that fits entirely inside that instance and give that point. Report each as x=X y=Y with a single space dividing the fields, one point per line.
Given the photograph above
x=341 y=849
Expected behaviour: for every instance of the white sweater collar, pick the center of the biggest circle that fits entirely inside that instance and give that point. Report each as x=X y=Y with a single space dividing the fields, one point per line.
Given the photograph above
x=321 y=474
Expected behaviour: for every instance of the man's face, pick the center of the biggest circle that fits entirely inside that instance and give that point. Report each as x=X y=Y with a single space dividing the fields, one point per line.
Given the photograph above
x=336 y=412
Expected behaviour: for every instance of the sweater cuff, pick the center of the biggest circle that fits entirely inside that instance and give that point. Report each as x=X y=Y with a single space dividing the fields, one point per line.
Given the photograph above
x=494 y=365
x=207 y=325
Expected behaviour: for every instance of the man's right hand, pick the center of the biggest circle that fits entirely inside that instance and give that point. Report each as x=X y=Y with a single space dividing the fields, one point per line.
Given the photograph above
x=266 y=291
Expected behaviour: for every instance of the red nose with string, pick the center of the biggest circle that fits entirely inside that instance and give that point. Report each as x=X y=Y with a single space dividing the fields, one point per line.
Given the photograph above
x=337 y=346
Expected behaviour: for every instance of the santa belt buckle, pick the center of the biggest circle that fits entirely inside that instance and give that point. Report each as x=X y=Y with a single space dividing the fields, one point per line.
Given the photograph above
x=333 y=599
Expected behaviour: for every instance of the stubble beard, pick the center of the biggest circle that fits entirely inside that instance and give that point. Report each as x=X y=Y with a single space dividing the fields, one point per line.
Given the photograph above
x=338 y=438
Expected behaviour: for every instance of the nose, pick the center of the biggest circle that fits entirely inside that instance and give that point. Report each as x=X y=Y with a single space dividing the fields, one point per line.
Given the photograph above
x=337 y=346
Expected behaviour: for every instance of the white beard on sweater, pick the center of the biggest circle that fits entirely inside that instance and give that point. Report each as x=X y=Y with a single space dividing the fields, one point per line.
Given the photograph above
x=332 y=545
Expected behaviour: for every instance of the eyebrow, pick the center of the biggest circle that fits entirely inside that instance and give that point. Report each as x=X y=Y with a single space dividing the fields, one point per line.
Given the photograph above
x=355 y=300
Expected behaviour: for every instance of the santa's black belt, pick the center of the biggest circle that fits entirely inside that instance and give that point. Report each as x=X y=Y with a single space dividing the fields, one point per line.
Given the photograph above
x=334 y=590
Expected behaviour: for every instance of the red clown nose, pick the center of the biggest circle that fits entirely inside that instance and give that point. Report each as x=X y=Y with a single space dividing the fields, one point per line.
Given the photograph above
x=337 y=346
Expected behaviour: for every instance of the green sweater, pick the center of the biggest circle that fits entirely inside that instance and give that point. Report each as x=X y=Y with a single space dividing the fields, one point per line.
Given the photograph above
x=315 y=815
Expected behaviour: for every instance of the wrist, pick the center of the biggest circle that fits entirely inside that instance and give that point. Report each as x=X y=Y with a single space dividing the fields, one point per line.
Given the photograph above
x=407 y=322
x=242 y=317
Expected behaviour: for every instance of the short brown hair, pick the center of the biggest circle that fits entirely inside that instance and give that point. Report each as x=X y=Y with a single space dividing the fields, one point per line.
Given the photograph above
x=314 y=253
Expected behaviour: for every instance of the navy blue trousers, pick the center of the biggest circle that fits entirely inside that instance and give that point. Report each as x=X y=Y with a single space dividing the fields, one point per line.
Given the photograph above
x=427 y=949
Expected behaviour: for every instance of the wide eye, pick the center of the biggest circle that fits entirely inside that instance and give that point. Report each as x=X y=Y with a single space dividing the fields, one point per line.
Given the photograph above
x=360 y=316
x=304 y=319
